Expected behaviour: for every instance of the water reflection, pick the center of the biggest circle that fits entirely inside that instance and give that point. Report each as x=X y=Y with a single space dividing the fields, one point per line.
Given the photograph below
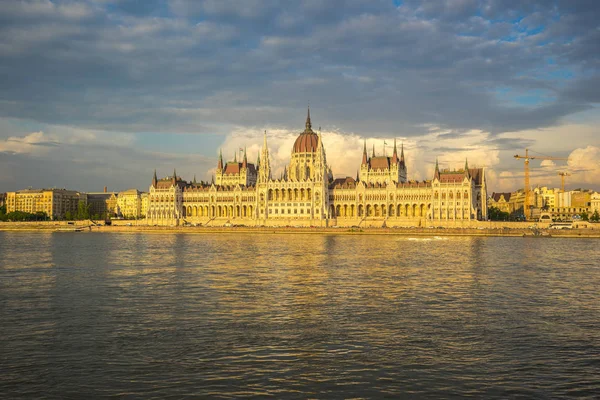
x=240 y=315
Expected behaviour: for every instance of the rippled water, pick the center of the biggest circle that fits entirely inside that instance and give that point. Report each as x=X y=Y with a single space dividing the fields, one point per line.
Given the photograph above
x=294 y=316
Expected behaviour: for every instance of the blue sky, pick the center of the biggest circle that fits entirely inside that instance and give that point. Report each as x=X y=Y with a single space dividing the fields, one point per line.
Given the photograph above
x=102 y=92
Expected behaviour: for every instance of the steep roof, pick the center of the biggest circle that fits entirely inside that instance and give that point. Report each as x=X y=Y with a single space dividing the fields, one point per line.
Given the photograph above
x=235 y=168
x=497 y=196
x=380 y=162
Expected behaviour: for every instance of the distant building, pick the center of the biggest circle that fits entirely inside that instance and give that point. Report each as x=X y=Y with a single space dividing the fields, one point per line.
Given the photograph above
x=2 y=199
x=102 y=204
x=54 y=202
x=129 y=204
x=595 y=202
x=306 y=193
x=502 y=202
x=144 y=205
x=558 y=204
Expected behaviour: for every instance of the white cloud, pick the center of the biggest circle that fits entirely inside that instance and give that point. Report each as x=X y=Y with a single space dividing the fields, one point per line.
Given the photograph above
x=584 y=164
x=344 y=150
x=32 y=143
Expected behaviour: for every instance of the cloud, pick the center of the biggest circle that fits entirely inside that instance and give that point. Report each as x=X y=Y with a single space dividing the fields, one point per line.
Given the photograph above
x=33 y=143
x=547 y=163
x=584 y=163
x=344 y=151
x=464 y=79
x=134 y=67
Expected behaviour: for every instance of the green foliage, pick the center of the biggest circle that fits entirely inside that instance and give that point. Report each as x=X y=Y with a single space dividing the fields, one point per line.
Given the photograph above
x=595 y=217
x=24 y=216
x=83 y=211
x=495 y=214
x=584 y=216
x=69 y=216
x=3 y=209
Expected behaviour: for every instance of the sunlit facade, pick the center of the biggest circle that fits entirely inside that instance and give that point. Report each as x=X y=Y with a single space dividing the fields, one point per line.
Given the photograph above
x=307 y=195
x=54 y=202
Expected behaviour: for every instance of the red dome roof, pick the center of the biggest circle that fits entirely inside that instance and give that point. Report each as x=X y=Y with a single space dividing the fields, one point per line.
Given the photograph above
x=307 y=142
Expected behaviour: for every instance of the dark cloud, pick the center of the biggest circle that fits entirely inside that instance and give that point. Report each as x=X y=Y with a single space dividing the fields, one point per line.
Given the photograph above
x=366 y=66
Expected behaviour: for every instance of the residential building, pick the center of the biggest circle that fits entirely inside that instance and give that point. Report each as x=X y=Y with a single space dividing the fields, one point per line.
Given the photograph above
x=54 y=202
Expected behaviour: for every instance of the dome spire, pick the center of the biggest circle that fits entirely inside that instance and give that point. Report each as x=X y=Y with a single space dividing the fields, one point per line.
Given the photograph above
x=308 y=125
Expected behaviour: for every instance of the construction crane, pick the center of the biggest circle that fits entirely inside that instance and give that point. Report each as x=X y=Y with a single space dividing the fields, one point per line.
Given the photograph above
x=527 y=157
x=562 y=180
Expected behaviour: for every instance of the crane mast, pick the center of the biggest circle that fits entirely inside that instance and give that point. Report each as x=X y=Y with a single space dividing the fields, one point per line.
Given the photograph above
x=562 y=180
x=527 y=158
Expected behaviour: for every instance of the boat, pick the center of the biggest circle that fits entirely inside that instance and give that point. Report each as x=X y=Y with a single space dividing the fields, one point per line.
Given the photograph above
x=535 y=232
x=69 y=230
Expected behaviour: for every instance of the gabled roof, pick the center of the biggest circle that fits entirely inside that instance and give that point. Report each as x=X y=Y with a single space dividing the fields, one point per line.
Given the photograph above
x=497 y=196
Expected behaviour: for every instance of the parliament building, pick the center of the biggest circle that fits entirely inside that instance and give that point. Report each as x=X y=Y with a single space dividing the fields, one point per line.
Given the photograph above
x=243 y=193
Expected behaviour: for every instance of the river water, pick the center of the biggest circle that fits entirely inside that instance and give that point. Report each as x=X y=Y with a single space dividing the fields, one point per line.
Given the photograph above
x=89 y=315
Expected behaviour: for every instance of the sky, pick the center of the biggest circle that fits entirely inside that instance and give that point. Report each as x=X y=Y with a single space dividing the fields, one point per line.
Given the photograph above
x=101 y=92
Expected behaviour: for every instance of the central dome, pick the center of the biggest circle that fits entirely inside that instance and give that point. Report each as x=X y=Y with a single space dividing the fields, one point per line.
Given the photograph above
x=308 y=141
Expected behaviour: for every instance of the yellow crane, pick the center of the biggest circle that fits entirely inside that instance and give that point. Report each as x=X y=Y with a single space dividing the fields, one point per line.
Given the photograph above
x=562 y=180
x=527 y=157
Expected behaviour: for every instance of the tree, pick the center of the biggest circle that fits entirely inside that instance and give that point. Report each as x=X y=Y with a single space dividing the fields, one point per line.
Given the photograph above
x=68 y=216
x=496 y=214
x=584 y=216
x=595 y=216
x=83 y=211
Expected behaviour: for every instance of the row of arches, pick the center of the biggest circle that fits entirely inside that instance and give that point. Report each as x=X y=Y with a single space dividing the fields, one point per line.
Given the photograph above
x=379 y=210
x=157 y=215
x=230 y=211
x=290 y=194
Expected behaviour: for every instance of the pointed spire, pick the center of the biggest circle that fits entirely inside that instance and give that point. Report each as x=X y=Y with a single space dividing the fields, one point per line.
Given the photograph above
x=174 y=175
x=154 y=179
x=245 y=161
x=235 y=157
x=437 y=170
x=258 y=160
x=308 y=125
x=373 y=150
x=364 y=159
x=467 y=173
x=357 y=176
x=220 y=163
x=265 y=169
x=395 y=155
x=402 y=154
x=194 y=181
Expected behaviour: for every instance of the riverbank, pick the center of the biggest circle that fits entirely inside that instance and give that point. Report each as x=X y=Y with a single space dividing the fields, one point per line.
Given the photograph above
x=405 y=231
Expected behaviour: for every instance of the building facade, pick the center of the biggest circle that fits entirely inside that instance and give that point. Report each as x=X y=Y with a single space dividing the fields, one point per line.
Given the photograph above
x=54 y=202
x=129 y=204
x=595 y=202
x=307 y=195
x=102 y=204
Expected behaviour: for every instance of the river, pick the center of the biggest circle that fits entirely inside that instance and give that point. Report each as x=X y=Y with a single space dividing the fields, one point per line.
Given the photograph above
x=89 y=315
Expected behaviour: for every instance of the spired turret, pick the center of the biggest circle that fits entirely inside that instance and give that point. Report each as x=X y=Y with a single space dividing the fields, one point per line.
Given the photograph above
x=264 y=173
x=382 y=169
